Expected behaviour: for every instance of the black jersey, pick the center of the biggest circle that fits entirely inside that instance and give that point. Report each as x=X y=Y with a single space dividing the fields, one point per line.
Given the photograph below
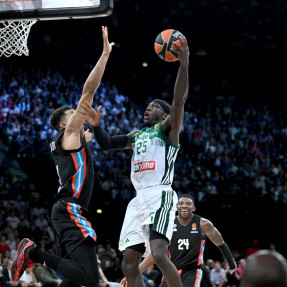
x=187 y=244
x=75 y=170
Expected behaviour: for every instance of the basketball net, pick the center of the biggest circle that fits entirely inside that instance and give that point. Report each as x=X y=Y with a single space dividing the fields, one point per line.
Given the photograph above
x=14 y=36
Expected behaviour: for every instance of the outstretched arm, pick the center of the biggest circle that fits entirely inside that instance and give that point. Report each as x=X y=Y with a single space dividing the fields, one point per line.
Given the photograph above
x=105 y=141
x=214 y=235
x=175 y=120
x=72 y=137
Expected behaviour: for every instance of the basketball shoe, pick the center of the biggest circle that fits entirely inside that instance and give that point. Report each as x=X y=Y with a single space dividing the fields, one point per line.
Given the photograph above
x=21 y=260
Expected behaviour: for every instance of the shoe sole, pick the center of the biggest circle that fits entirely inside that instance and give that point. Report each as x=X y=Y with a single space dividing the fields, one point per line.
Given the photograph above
x=15 y=270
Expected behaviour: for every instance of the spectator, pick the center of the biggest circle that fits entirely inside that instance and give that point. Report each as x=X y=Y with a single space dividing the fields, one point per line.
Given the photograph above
x=210 y=264
x=241 y=267
x=104 y=282
x=237 y=255
x=41 y=221
x=13 y=220
x=253 y=248
x=3 y=245
x=109 y=260
x=217 y=275
x=11 y=241
x=7 y=275
x=28 y=279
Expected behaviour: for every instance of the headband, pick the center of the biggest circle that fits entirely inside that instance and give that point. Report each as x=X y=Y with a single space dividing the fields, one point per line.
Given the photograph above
x=164 y=105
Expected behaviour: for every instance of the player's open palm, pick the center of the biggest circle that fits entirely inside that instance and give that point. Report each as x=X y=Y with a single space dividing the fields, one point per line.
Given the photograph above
x=107 y=45
x=92 y=116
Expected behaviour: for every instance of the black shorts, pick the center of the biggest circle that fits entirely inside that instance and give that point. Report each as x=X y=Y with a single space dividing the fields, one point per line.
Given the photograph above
x=70 y=226
x=189 y=278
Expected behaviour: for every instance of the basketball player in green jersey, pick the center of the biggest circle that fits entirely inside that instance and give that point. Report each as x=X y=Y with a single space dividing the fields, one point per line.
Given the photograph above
x=150 y=215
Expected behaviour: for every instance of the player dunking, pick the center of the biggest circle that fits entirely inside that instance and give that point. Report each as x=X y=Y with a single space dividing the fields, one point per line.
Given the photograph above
x=187 y=244
x=150 y=215
x=74 y=234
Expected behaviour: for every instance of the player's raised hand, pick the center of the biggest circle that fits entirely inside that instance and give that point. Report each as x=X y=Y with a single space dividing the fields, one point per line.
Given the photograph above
x=182 y=52
x=92 y=116
x=107 y=45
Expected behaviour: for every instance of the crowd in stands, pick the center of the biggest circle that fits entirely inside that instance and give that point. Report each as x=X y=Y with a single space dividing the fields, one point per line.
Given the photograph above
x=227 y=149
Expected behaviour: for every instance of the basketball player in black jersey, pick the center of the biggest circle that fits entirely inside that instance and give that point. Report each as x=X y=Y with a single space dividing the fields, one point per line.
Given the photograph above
x=187 y=244
x=74 y=234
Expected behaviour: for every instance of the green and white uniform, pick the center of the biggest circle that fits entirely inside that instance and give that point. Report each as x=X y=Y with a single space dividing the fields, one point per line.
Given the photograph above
x=152 y=170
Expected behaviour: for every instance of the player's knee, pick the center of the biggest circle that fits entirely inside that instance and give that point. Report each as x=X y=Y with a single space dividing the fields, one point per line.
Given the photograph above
x=159 y=257
x=129 y=268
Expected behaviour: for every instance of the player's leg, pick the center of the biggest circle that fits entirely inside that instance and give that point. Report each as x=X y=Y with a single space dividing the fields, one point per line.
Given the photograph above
x=159 y=250
x=82 y=268
x=130 y=265
x=132 y=243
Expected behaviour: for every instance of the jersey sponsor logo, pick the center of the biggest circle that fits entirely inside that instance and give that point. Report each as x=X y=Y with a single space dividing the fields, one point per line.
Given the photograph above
x=140 y=166
x=194 y=231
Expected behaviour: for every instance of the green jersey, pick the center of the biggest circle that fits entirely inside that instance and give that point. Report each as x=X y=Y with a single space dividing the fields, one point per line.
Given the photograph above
x=153 y=158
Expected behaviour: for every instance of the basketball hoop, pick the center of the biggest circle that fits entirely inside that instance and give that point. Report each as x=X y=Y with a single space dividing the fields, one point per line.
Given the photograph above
x=18 y=16
x=14 y=36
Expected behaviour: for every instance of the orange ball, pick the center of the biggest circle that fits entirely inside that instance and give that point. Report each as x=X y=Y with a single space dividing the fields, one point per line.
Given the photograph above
x=164 y=42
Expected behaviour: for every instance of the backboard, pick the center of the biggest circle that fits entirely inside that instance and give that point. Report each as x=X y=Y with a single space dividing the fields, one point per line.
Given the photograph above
x=15 y=10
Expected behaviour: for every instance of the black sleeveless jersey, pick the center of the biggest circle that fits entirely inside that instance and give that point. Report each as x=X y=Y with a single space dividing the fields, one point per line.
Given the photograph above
x=75 y=170
x=187 y=244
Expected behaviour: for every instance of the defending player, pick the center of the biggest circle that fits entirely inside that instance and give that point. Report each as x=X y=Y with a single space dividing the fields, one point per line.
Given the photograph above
x=74 y=234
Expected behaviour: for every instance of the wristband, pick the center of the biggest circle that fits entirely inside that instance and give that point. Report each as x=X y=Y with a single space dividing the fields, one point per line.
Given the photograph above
x=107 y=142
x=228 y=255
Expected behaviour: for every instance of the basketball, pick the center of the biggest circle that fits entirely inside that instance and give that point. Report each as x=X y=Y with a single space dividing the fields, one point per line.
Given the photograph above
x=164 y=42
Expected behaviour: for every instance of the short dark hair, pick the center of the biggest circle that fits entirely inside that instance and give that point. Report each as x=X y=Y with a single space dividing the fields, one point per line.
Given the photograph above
x=57 y=117
x=186 y=195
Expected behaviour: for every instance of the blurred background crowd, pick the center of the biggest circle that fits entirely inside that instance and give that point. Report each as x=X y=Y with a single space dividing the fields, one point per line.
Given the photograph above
x=233 y=141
